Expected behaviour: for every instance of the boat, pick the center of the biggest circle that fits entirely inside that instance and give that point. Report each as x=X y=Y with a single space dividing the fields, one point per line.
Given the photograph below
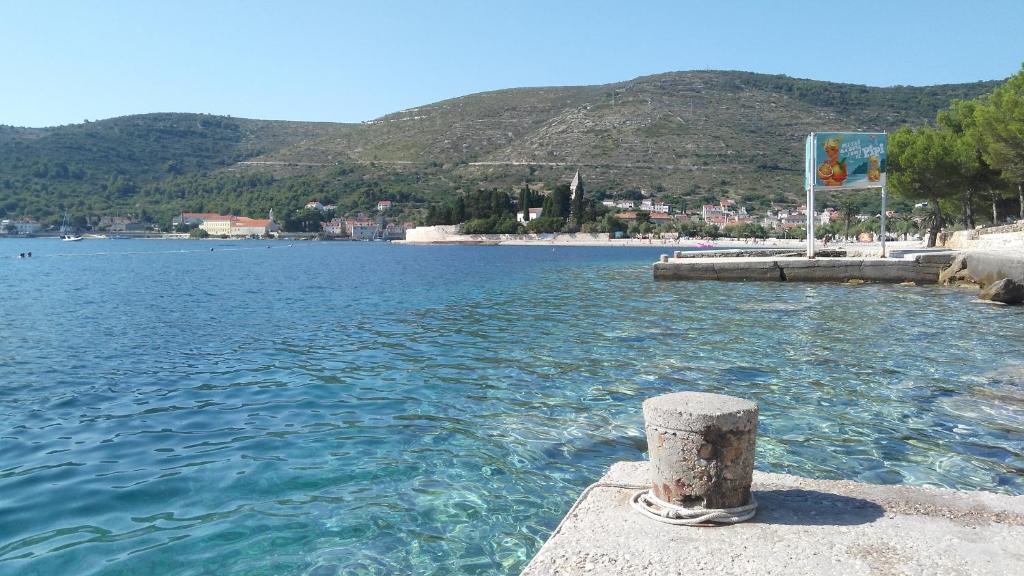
x=66 y=235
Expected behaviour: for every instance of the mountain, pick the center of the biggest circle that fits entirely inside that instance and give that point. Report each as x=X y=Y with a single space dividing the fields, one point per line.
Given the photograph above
x=687 y=135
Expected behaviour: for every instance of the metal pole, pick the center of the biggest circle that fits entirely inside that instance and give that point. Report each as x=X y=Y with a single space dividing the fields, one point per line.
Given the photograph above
x=884 y=194
x=810 y=198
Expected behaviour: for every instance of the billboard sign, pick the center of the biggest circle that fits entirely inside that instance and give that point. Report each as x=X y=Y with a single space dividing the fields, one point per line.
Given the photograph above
x=848 y=160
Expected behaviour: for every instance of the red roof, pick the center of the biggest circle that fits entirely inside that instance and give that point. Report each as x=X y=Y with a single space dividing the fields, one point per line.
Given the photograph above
x=243 y=221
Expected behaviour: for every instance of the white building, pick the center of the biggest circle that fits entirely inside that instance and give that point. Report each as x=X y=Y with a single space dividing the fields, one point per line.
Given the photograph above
x=534 y=214
x=26 y=226
x=245 y=227
x=238 y=226
x=193 y=218
x=658 y=206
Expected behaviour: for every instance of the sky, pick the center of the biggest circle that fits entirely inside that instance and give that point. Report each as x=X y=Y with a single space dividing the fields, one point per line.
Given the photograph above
x=63 y=62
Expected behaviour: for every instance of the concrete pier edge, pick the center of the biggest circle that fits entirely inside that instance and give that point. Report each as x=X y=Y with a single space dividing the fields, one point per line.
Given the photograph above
x=803 y=526
x=921 y=268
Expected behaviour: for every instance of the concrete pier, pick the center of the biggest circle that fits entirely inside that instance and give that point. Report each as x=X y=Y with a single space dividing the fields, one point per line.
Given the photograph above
x=805 y=527
x=921 y=268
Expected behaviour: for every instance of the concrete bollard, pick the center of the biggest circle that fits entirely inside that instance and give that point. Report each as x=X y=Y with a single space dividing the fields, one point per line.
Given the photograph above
x=664 y=258
x=677 y=254
x=702 y=448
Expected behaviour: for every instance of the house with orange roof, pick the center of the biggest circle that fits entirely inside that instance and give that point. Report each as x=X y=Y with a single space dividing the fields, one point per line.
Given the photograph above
x=238 y=226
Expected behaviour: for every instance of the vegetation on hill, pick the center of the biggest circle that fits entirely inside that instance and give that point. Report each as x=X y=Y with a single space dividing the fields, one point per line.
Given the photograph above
x=686 y=136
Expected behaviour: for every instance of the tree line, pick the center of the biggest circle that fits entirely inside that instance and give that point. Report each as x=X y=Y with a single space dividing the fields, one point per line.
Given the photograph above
x=494 y=212
x=973 y=157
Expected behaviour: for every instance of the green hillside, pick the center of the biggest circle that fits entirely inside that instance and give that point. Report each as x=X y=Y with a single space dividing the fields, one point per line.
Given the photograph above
x=687 y=135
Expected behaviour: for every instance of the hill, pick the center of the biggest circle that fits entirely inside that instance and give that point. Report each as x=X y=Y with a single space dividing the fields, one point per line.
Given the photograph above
x=688 y=135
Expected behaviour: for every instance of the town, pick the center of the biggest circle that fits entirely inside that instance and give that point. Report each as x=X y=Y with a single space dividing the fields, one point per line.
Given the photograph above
x=626 y=214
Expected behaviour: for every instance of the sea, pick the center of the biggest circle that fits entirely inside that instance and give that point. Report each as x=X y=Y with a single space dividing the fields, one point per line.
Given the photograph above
x=319 y=408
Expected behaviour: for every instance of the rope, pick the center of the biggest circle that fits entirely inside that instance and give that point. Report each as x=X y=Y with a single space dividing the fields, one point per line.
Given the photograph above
x=657 y=509
x=669 y=513
x=583 y=497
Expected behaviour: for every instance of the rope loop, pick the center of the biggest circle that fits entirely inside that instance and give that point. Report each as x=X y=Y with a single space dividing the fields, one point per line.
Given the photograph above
x=657 y=509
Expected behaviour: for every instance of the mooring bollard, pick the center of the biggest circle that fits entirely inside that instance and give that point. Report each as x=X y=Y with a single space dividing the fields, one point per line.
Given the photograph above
x=664 y=258
x=677 y=254
x=702 y=457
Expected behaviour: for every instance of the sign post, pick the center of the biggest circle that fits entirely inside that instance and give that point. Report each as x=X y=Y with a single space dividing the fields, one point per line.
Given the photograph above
x=885 y=191
x=852 y=160
x=809 y=154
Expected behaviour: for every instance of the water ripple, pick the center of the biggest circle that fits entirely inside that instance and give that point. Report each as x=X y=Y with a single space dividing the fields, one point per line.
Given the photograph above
x=369 y=409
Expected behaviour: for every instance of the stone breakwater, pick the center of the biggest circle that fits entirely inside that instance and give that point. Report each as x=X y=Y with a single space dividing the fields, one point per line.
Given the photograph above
x=999 y=275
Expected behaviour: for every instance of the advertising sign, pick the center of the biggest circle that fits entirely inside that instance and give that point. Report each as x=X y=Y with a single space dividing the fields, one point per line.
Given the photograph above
x=849 y=160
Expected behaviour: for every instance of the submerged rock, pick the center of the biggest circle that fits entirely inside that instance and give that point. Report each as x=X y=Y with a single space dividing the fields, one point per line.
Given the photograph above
x=1007 y=291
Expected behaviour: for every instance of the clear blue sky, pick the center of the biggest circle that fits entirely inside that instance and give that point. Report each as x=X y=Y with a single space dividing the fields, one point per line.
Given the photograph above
x=65 y=61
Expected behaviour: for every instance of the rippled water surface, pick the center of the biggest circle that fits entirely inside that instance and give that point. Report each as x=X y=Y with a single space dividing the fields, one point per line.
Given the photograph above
x=329 y=408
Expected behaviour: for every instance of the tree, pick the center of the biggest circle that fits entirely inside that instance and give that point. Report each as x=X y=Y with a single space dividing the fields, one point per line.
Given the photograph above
x=972 y=170
x=849 y=209
x=921 y=166
x=458 y=211
x=198 y=233
x=561 y=200
x=577 y=209
x=524 y=203
x=1002 y=127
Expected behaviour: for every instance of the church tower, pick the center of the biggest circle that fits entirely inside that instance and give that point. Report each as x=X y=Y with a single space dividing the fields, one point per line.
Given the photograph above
x=576 y=186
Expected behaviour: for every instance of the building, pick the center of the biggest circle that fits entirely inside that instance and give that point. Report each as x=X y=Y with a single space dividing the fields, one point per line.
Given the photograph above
x=238 y=226
x=385 y=205
x=576 y=186
x=656 y=218
x=120 y=224
x=394 y=232
x=534 y=214
x=711 y=213
x=193 y=218
x=245 y=227
x=216 y=226
x=315 y=205
x=335 y=227
x=23 y=226
x=362 y=229
x=650 y=205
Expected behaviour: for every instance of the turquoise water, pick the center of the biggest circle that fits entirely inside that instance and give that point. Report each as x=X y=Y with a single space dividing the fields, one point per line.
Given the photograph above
x=328 y=408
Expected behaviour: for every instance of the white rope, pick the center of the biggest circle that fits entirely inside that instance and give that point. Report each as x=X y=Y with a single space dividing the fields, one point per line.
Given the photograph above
x=670 y=513
x=657 y=509
x=583 y=496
